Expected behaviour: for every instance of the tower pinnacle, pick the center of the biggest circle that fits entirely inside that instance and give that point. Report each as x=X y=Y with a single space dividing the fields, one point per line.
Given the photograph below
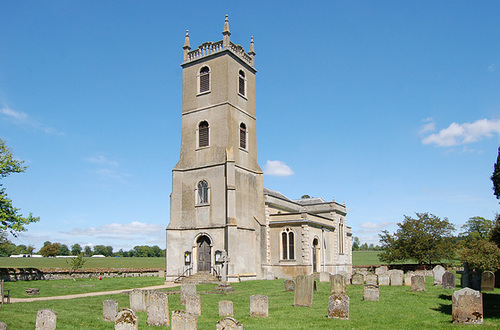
x=225 y=34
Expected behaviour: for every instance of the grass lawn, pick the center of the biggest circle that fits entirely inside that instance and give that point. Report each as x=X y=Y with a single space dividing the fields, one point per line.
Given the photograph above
x=398 y=307
x=91 y=263
x=365 y=258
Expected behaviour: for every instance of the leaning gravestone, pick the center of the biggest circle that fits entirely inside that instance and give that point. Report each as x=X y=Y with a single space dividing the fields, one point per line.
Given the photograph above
x=418 y=283
x=408 y=276
x=467 y=306
x=186 y=290
x=448 y=281
x=109 y=310
x=383 y=280
x=338 y=306
x=324 y=276
x=382 y=270
x=126 y=320
x=193 y=304
x=338 y=284
x=289 y=285
x=259 y=306
x=46 y=319
x=371 y=279
x=225 y=308
x=358 y=279
x=304 y=286
x=183 y=320
x=229 y=323
x=157 y=309
x=138 y=300
x=370 y=292
x=487 y=281
x=438 y=273
x=396 y=277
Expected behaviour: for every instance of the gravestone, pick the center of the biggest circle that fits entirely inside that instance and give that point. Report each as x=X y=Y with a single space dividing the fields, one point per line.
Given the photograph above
x=3 y=326
x=259 y=306
x=421 y=272
x=487 y=281
x=225 y=308
x=338 y=306
x=109 y=310
x=358 y=279
x=438 y=272
x=371 y=292
x=382 y=270
x=371 y=279
x=467 y=306
x=187 y=289
x=396 y=277
x=229 y=323
x=126 y=320
x=418 y=283
x=193 y=304
x=46 y=319
x=304 y=286
x=383 y=280
x=183 y=320
x=289 y=285
x=138 y=300
x=448 y=281
x=157 y=309
x=408 y=276
x=338 y=284
x=324 y=276
x=161 y=274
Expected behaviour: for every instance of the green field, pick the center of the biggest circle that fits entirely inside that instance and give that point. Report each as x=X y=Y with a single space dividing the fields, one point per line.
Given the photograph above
x=91 y=263
x=398 y=308
x=365 y=258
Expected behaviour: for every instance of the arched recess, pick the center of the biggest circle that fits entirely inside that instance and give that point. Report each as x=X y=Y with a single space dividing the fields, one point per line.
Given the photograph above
x=315 y=254
x=203 y=247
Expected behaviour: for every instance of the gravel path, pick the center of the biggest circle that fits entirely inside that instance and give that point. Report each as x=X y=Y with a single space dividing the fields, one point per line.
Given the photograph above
x=91 y=294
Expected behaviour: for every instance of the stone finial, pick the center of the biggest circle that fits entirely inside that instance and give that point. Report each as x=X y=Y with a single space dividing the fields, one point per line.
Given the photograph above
x=186 y=41
x=225 y=34
x=252 y=49
x=226 y=26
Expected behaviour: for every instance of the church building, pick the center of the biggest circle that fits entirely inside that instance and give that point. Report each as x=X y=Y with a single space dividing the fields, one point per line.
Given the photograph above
x=219 y=208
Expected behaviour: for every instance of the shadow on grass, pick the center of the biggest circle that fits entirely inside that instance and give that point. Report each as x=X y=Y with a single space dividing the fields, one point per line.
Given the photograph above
x=443 y=308
x=491 y=305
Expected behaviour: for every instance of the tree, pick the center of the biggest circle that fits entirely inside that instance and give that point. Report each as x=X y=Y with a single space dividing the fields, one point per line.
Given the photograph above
x=64 y=250
x=76 y=249
x=477 y=226
x=426 y=239
x=495 y=177
x=481 y=255
x=50 y=249
x=10 y=219
x=104 y=250
x=76 y=263
x=355 y=243
x=87 y=251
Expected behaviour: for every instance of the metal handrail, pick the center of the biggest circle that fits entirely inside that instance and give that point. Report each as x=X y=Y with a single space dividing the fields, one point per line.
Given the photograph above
x=188 y=271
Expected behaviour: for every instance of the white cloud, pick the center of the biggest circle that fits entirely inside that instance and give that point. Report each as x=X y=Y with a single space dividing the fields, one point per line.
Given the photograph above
x=277 y=168
x=430 y=126
x=129 y=231
x=101 y=160
x=24 y=120
x=458 y=134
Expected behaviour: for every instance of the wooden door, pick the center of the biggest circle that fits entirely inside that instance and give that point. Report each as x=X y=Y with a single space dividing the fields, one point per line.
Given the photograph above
x=204 y=261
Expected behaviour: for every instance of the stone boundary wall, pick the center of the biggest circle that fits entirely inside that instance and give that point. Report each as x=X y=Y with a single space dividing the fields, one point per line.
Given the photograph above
x=31 y=274
x=404 y=267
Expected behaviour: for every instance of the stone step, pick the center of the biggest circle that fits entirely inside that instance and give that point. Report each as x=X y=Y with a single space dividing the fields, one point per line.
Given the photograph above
x=200 y=278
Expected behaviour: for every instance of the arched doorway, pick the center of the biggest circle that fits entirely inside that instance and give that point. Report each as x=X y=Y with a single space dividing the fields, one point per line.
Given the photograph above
x=204 y=254
x=315 y=255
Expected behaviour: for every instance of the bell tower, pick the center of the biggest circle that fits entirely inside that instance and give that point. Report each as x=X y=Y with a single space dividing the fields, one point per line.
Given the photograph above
x=217 y=200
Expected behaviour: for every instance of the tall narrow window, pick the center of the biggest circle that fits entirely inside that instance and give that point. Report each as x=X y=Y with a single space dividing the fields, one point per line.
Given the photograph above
x=243 y=136
x=241 y=83
x=204 y=79
x=287 y=245
x=291 y=248
x=341 y=238
x=203 y=134
x=284 y=237
x=203 y=192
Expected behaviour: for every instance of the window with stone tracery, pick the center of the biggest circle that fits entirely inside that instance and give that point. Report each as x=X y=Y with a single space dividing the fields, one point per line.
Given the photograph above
x=287 y=245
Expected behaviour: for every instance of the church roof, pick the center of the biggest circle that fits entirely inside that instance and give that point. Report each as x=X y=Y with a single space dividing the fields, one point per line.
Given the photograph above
x=310 y=201
x=275 y=193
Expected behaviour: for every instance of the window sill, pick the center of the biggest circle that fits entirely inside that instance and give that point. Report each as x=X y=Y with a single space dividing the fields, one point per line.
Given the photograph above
x=288 y=260
x=244 y=150
x=203 y=93
x=243 y=96
x=201 y=148
x=202 y=205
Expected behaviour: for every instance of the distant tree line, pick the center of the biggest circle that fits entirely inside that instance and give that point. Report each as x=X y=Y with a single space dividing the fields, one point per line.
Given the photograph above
x=357 y=246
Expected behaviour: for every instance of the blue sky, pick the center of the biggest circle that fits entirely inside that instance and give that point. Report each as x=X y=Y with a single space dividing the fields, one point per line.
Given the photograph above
x=392 y=107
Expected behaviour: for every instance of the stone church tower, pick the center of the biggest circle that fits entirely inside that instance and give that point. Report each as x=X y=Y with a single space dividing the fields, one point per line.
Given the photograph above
x=217 y=200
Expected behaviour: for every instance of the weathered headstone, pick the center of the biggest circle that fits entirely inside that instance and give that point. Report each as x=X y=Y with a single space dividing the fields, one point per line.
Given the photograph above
x=157 y=309
x=448 y=281
x=187 y=289
x=324 y=276
x=408 y=276
x=338 y=284
x=418 y=283
x=338 y=306
x=371 y=292
x=467 y=306
x=138 y=300
x=289 y=285
x=109 y=310
x=46 y=319
x=225 y=308
x=358 y=279
x=161 y=274
x=229 y=323
x=183 y=320
x=304 y=286
x=3 y=326
x=487 y=281
x=126 y=320
x=382 y=270
x=193 y=304
x=259 y=306
x=396 y=277
x=383 y=279
x=371 y=279
x=438 y=272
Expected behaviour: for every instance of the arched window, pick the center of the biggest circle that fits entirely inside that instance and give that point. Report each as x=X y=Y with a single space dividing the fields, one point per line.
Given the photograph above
x=243 y=136
x=341 y=238
x=203 y=134
x=241 y=83
x=203 y=192
x=287 y=244
x=204 y=79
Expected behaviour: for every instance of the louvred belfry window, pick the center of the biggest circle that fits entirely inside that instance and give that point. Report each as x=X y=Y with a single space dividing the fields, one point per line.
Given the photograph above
x=203 y=134
x=243 y=136
x=204 y=79
x=241 y=83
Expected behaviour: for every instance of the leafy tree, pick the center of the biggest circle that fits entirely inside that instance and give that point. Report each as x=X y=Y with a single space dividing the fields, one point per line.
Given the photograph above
x=6 y=246
x=477 y=226
x=495 y=177
x=87 y=251
x=305 y=196
x=355 y=243
x=10 y=219
x=76 y=249
x=50 y=249
x=481 y=255
x=426 y=239
x=76 y=263
x=64 y=250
